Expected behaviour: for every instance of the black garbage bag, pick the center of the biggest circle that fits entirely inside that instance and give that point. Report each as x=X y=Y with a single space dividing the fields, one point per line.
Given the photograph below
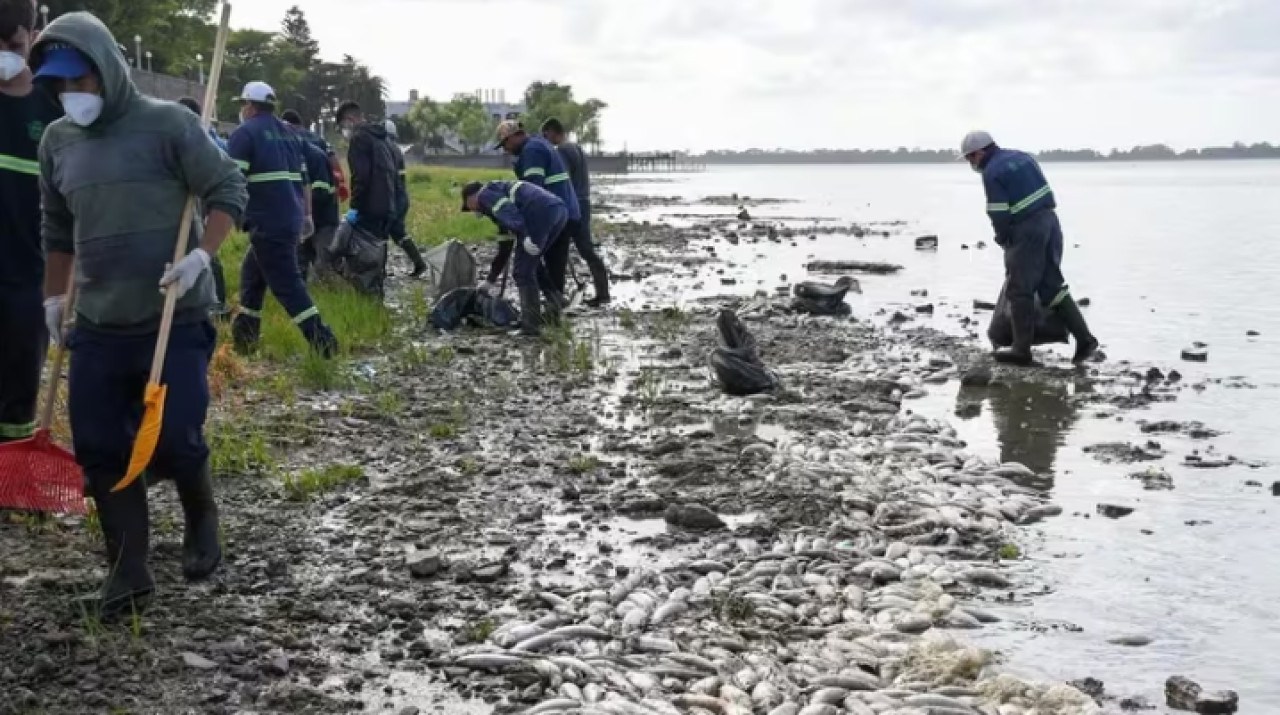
x=817 y=298
x=449 y=312
x=360 y=258
x=1049 y=327
x=736 y=363
x=474 y=307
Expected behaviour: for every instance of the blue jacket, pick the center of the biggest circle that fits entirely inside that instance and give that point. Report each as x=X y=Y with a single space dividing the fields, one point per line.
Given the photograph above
x=324 y=192
x=540 y=164
x=1016 y=189
x=270 y=155
x=520 y=207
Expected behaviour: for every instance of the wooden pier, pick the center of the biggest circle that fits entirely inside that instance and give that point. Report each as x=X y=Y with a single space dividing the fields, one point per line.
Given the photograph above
x=662 y=164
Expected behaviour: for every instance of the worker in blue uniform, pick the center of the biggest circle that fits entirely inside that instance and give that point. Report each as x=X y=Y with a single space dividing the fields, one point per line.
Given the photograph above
x=1023 y=212
x=538 y=163
x=535 y=218
x=313 y=252
x=278 y=218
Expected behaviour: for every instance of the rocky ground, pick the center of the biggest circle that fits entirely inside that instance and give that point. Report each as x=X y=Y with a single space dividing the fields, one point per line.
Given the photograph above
x=579 y=525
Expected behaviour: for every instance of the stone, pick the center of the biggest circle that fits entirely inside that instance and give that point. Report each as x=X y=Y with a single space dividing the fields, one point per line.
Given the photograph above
x=1131 y=641
x=927 y=308
x=1195 y=354
x=199 y=662
x=1223 y=702
x=986 y=578
x=410 y=710
x=424 y=564
x=914 y=623
x=1113 y=511
x=1275 y=489
x=927 y=243
x=744 y=215
x=1253 y=333
x=1084 y=302
x=277 y=666
x=695 y=517
x=983 y=305
x=977 y=376
x=490 y=572
x=1181 y=693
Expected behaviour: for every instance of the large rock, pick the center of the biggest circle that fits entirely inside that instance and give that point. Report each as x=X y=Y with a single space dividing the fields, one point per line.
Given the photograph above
x=1181 y=693
x=424 y=564
x=694 y=517
x=1114 y=511
x=1223 y=702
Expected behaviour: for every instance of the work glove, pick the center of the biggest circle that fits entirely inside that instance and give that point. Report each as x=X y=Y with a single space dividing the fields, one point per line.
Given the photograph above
x=185 y=274
x=53 y=317
x=308 y=228
x=530 y=247
x=487 y=288
x=352 y=216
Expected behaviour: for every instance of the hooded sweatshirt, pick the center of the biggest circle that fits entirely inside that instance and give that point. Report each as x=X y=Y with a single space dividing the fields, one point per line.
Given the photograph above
x=113 y=193
x=373 y=172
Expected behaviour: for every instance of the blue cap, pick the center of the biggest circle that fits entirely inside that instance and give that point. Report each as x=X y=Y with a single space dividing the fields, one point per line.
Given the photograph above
x=62 y=61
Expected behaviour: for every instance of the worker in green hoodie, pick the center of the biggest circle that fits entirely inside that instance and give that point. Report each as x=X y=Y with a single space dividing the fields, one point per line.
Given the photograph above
x=115 y=175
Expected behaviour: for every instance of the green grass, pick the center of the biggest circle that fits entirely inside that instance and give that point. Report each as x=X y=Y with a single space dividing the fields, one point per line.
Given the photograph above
x=1009 y=552
x=584 y=464
x=312 y=482
x=671 y=324
x=442 y=430
x=650 y=385
x=565 y=352
x=435 y=195
x=239 y=449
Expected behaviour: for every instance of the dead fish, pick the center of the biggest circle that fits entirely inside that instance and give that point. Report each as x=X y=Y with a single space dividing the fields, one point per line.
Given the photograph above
x=570 y=690
x=693 y=660
x=765 y=695
x=668 y=610
x=651 y=644
x=706 y=686
x=849 y=680
x=706 y=702
x=820 y=709
x=558 y=705
x=830 y=696
x=494 y=662
x=620 y=591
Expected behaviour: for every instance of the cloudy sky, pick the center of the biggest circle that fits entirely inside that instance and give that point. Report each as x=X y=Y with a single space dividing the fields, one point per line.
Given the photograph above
x=703 y=74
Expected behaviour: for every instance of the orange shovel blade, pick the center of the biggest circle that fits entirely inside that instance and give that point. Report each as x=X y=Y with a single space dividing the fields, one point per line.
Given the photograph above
x=144 y=446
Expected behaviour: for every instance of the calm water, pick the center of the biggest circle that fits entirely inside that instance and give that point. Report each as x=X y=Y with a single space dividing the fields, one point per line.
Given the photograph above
x=1169 y=254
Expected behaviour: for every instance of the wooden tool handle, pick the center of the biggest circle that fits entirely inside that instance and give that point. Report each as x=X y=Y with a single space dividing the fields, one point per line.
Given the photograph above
x=188 y=211
x=59 y=354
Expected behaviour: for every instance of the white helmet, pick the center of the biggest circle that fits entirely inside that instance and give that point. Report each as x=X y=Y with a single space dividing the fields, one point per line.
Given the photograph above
x=390 y=126
x=974 y=141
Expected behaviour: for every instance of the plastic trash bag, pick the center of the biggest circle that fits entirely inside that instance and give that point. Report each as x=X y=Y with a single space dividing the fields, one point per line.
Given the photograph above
x=360 y=258
x=824 y=299
x=472 y=306
x=736 y=363
x=1049 y=327
x=449 y=266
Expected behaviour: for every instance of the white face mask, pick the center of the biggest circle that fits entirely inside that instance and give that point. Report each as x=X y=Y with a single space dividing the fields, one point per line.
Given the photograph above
x=346 y=132
x=11 y=65
x=81 y=107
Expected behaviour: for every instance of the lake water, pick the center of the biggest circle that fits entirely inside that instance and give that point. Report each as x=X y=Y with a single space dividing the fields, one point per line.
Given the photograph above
x=1169 y=253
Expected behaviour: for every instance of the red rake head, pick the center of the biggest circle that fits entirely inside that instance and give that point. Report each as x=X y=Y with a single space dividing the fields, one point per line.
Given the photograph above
x=38 y=475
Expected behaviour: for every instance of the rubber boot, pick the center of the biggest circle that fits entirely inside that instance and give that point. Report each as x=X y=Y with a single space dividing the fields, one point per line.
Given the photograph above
x=599 y=277
x=1086 y=344
x=1024 y=325
x=411 y=250
x=201 y=551
x=530 y=311
x=245 y=332
x=320 y=337
x=126 y=531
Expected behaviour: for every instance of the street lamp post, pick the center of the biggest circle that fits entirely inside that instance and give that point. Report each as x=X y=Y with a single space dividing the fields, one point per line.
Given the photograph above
x=200 y=64
x=44 y=13
x=149 y=65
x=137 y=51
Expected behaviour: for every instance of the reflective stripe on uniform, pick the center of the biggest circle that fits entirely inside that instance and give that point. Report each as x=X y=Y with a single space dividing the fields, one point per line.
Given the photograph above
x=274 y=176
x=250 y=312
x=322 y=186
x=498 y=206
x=534 y=171
x=302 y=317
x=16 y=431
x=557 y=178
x=997 y=208
x=509 y=199
x=1024 y=204
x=244 y=165
x=21 y=166
x=1061 y=296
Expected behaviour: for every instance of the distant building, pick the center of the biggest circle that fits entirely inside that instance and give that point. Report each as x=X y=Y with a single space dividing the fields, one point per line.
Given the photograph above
x=494 y=101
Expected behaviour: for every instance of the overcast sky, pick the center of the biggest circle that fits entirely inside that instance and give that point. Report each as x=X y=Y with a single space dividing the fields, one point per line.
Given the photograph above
x=704 y=74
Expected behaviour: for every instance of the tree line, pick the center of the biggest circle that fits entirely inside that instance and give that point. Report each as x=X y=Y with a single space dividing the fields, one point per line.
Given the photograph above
x=1152 y=152
x=180 y=36
x=464 y=119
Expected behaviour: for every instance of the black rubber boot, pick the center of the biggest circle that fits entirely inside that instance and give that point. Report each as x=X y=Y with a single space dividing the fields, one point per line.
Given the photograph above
x=600 y=278
x=126 y=531
x=320 y=337
x=411 y=250
x=530 y=311
x=1086 y=344
x=245 y=332
x=1024 y=325
x=201 y=550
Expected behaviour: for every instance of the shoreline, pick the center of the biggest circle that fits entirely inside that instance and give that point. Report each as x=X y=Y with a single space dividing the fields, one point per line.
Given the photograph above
x=481 y=556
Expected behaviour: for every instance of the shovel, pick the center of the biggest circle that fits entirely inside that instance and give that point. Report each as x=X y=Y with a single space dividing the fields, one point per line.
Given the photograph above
x=144 y=445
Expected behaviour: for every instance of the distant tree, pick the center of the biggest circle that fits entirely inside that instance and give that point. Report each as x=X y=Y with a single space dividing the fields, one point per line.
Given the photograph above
x=544 y=100
x=429 y=123
x=467 y=118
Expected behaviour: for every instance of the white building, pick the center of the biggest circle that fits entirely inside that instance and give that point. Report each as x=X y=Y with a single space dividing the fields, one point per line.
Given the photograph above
x=494 y=100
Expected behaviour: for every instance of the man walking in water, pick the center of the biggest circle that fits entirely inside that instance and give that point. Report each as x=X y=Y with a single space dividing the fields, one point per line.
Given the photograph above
x=1023 y=212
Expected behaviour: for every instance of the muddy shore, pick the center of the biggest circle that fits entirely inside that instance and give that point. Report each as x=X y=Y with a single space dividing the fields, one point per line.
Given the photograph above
x=584 y=524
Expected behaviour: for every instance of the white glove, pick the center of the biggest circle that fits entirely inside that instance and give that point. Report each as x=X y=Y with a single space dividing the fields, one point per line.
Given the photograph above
x=487 y=288
x=184 y=275
x=308 y=229
x=53 y=317
x=530 y=247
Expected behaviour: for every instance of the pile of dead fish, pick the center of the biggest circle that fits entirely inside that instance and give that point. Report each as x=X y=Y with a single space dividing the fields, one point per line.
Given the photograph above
x=846 y=619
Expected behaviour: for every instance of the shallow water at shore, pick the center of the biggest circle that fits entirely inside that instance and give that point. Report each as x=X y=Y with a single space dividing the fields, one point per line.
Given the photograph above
x=1169 y=255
